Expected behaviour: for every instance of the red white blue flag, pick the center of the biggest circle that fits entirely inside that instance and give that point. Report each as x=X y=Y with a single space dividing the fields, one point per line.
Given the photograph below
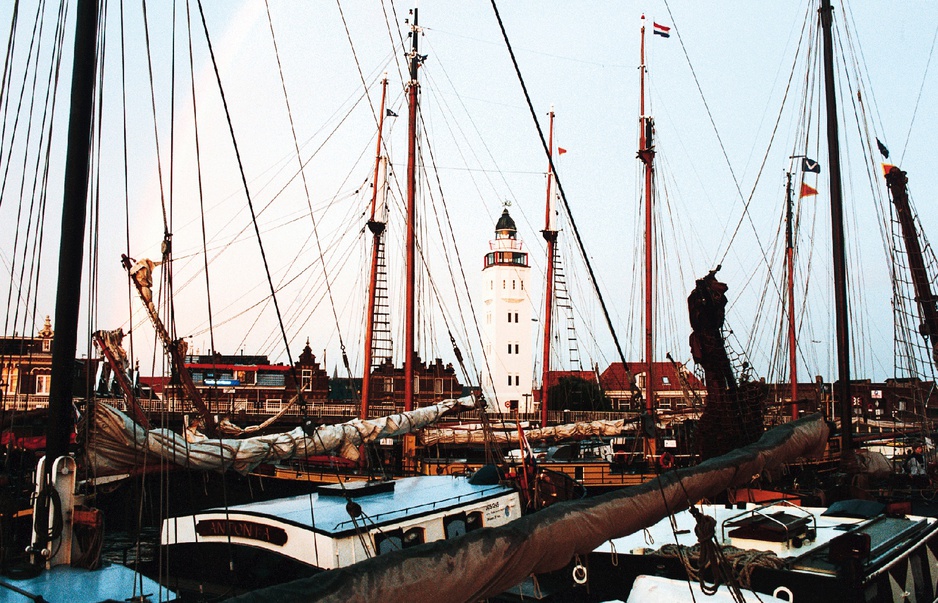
x=662 y=30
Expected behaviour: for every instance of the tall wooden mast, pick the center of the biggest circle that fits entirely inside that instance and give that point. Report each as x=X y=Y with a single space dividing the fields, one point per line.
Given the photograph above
x=790 y=261
x=410 y=294
x=376 y=227
x=646 y=153
x=925 y=299
x=61 y=418
x=550 y=235
x=837 y=234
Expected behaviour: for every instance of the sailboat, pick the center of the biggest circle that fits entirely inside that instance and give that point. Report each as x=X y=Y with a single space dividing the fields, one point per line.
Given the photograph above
x=854 y=550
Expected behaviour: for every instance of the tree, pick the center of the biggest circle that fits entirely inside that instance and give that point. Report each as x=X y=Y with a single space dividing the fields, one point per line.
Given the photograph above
x=576 y=393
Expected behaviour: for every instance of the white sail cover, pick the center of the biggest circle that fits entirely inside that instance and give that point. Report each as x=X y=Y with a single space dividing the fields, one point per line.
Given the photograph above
x=569 y=431
x=121 y=446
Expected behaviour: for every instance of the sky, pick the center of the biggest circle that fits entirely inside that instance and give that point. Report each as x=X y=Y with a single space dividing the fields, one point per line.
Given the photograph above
x=715 y=88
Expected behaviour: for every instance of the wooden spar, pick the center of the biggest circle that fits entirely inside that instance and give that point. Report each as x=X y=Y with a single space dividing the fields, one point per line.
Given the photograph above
x=790 y=261
x=837 y=235
x=377 y=230
x=925 y=298
x=410 y=294
x=550 y=235
x=61 y=418
x=647 y=154
x=177 y=357
x=117 y=368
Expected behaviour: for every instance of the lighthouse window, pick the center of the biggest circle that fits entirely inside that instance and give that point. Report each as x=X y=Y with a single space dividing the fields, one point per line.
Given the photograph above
x=516 y=314
x=522 y=284
x=512 y=284
x=491 y=284
x=509 y=380
x=509 y=317
x=509 y=348
x=516 y=349
x=503 y=284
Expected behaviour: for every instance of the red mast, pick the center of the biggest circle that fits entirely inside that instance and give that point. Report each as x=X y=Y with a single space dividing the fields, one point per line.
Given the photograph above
x=411 y=219
x=377 y=230
x=647 y=155
x=550 y=235
x=790 y=260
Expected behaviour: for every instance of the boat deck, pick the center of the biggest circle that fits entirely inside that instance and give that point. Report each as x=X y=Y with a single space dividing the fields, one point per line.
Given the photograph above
x=328 y=514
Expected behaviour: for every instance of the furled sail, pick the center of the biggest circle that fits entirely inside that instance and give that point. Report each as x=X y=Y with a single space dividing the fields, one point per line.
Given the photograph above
x=121 y=446
x=569 y=431
x=484 y=563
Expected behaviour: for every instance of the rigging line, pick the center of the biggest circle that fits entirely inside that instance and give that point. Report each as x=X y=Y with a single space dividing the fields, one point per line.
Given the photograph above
x=908 y=135
x=6 y=84
x=7 y=75
x=123 y=83
x=459 y=261
x=299 y=160
x=563 y=196
x=198 y=164
x=156 y=134
x=358 y=66
x=37 y=24
x=726 y=157
x=395 y=46
x=39 y=179
x=32 y=211
x=247 y=194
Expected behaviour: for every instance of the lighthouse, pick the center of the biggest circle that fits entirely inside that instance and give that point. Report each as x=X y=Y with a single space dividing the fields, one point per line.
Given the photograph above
x=507 y=323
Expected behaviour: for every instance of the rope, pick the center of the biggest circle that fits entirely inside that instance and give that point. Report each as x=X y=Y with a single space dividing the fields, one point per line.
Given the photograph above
x=247 y=193
x=742 y=561
x=563 y=198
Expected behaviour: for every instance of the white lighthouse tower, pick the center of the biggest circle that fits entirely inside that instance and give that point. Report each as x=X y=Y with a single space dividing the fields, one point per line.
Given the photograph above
x=507 y=322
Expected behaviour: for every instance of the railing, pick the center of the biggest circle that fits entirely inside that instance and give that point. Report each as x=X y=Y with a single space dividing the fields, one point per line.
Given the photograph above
x=23 y=402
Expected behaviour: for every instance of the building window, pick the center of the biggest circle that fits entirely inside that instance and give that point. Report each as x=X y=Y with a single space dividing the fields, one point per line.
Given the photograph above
x=503 y=284
x=666 y=380
x=512 y=283
x=271 y=379
x=522 y=284
x=516 y=349
x=46 y=345
x=517 y=380
x=509 y=380
x=307 y=379
x=389 y=384
x=42 y=384
x=438 y=386
x=509 y=348
x=516 y=314
x=491 y=284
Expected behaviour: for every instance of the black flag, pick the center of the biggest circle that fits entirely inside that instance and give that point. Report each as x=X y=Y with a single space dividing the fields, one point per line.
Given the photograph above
x=390 y=113
x=882 y=148
x=810 y=165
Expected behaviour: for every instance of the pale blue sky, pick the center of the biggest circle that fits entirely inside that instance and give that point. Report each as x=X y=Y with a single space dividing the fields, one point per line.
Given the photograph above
x=579 y=57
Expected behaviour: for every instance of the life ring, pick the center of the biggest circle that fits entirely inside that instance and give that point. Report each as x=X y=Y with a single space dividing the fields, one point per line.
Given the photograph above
x=666 y=460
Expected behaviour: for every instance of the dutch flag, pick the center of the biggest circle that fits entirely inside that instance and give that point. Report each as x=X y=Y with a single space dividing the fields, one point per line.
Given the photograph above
x=662 y=30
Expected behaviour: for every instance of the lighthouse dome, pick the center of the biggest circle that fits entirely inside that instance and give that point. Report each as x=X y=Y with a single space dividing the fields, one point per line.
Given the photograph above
x=506 y=223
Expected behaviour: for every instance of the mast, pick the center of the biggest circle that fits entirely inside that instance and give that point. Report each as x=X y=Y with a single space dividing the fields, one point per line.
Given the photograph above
x=550 y=235
x=790 y=261
x=71 y=255
x=837 y=234
x=925 y=298
x=412 y=86
x=377 y=230
x=646 y=153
